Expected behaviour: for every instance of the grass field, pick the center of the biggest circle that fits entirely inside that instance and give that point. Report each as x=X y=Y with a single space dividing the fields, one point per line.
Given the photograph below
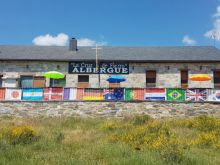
x=137 y=140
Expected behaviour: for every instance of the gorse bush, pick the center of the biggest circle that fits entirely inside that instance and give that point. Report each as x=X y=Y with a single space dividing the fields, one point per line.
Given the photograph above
x=20 y=135
x=203 y=123
x=167 y=138
x=153 y=135
x=206 y=139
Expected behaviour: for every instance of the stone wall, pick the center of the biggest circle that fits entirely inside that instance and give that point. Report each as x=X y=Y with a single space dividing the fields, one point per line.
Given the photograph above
x=168 y=74
x=107 y=109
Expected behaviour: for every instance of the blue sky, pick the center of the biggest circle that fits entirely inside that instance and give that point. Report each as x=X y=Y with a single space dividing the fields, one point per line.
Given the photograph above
x=109 y=22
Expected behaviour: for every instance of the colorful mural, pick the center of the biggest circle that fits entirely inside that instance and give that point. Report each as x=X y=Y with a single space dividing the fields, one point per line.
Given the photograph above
x=127 y=94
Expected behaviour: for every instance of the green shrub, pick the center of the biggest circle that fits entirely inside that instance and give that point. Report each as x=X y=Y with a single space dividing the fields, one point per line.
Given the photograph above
x=141 y=119
x=172 y=152
x=110 y=125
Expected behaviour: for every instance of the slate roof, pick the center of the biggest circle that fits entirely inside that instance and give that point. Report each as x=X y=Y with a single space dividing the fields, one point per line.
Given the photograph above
x=135 y=54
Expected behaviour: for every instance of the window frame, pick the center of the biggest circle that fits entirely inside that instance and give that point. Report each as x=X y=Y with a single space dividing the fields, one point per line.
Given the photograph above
x=87 y=77
x=1 y=80
x=151 y=82
x=20 y=80
x=216 y=84
x=57 y=84
x=184 y=82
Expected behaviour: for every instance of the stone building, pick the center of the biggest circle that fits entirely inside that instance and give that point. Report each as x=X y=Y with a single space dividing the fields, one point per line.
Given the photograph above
x=163 y=67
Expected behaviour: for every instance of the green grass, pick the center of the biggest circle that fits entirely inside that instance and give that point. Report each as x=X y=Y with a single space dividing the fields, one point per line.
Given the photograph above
x=104 y=141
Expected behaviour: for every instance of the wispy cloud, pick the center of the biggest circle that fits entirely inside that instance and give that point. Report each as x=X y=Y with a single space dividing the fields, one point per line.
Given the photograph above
x=90 y=42
x=214 y=33
x=188 y=40
x=62 y=39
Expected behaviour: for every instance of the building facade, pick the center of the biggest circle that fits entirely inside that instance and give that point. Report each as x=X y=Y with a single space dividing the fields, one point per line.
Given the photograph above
x=160 y=67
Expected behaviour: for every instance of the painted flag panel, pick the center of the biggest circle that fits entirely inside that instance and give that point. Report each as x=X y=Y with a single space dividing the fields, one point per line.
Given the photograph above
x=114 y=94
x=79 y=94
x=66 y=93
x=128 y=94
x=213 y=95
x=13 y=94
x=93 y=94
x=32 y=94
x=175 y=94
x=2 y=93
x=155 y=94
x=73 y=92
x=69 y=93
x=53 y=93
x=134 y=94
x=138 y=93
x=196 y=95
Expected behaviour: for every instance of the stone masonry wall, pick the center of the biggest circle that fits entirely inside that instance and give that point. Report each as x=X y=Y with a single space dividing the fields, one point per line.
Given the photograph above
x=168 y=74
x=108 y=109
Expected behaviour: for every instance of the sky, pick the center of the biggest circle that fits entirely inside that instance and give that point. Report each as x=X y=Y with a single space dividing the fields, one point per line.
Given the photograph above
x=110 y=22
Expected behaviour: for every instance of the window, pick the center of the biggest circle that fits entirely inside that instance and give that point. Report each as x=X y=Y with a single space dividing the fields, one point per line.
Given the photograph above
x=1 y=80
x=32 y=82
x=83 y=78
x=151 y=78
x=58 y=82
x=39 y=82
x=26 y=81
x=216 y=79
x=83 y=81
x=184 y=78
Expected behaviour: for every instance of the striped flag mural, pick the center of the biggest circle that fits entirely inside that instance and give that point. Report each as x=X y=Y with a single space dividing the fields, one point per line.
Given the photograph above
x=13 y=94
x=53 y=93
x=196 y=95
x=114 y=94
x=32 y=94
x=155 y=94
x=175 y=94
x=213 y=95
x=2 y=93
x=69 y=93
x=134 y=93
x=93 y=94
x=79 y=94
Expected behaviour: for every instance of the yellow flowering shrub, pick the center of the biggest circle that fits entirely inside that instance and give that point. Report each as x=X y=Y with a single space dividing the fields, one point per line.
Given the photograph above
x=204 y=123
x=206 y=139
x=20 y=134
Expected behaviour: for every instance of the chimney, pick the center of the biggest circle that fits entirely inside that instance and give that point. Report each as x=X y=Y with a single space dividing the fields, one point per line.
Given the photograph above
x=73 y=44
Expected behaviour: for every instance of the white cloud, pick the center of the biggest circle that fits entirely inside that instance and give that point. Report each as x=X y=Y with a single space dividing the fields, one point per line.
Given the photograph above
x=214 y=33
x=89 y=42
x=188 y=40
x=217 y=14
x=49 y=40
x=62 y=39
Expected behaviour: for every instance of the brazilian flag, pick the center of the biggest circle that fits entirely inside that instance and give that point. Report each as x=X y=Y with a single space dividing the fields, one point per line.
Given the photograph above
x=128 y=94
x=175 y=94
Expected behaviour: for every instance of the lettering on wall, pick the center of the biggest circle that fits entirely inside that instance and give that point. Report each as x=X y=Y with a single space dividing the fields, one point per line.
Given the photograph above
x=113 y=67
